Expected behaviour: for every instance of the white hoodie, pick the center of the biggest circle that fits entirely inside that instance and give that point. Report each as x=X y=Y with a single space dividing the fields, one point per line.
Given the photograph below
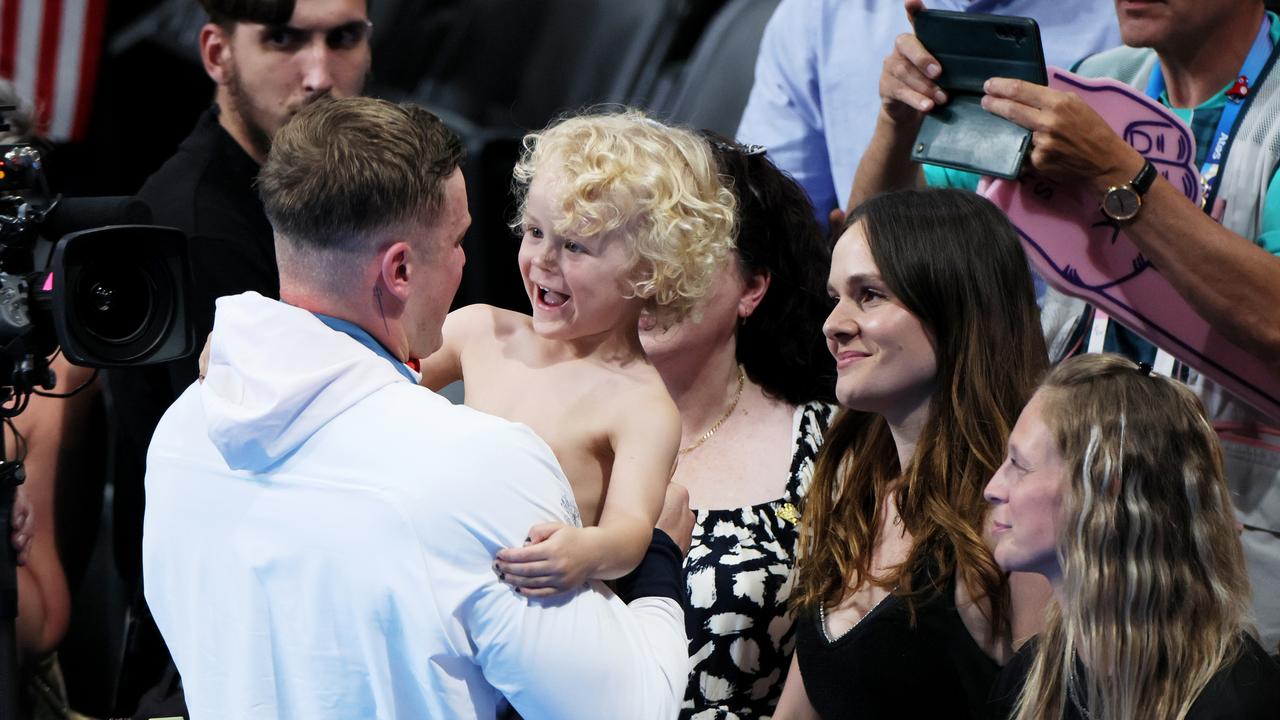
x=318 y=542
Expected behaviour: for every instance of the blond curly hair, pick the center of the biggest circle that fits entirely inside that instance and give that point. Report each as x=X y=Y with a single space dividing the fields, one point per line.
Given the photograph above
x=658 y=184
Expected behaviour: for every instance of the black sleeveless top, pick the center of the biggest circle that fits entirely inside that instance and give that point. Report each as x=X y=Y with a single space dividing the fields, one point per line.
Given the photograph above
x=886 y=668
x=1248 y=688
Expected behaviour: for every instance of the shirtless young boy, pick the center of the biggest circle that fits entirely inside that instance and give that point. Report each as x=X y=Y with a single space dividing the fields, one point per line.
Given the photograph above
x=619 y=214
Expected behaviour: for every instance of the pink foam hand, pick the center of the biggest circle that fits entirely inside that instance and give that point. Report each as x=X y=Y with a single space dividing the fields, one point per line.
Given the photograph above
x=1083 y=253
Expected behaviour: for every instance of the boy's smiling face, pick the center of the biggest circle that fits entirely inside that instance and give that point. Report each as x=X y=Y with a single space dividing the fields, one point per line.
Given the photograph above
x=578 y=287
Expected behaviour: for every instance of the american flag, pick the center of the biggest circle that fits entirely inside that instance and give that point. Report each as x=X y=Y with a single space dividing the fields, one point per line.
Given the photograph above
x=50 y=50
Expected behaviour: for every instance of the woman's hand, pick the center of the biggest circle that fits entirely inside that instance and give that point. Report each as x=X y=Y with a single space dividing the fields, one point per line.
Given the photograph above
x=554 y=559
x=23 y=521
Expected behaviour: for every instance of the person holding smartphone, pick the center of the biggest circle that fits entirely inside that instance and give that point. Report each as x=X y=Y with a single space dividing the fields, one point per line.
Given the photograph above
x=816 y=75
x=1223 y=258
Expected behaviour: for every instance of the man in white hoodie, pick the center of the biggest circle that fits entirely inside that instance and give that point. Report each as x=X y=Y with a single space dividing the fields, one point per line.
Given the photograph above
x=320 y=530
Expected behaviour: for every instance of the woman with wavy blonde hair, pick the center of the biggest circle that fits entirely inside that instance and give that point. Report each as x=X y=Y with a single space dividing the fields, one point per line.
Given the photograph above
x=619 y=214
x=937 y=341
x=1113 y=489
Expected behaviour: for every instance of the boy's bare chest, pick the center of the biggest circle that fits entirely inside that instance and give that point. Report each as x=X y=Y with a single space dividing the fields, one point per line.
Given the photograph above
x=569 y=405
x=571 y=396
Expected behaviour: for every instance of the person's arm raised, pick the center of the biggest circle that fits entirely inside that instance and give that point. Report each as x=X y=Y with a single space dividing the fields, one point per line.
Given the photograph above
x=1231 y=282
x=784 y=110
x=907 y=93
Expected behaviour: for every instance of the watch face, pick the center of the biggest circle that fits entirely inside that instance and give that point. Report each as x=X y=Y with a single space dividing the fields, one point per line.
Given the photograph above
x=1121 y=203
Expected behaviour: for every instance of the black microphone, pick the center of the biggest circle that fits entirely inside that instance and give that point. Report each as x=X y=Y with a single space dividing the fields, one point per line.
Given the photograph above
x=75 y=214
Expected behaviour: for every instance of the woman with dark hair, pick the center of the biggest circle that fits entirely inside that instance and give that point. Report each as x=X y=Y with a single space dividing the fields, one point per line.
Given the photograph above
x=902 y=612
x=752 y=382
x=1114 y=491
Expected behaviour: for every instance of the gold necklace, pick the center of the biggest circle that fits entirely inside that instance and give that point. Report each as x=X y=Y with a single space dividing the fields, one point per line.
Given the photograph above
x=737 y=395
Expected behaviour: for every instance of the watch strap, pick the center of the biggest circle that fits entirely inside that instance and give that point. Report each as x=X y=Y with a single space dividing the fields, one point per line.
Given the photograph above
x=1144 y=179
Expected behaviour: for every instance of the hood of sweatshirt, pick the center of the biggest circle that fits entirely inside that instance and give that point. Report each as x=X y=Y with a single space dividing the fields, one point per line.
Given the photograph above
x=276 y=375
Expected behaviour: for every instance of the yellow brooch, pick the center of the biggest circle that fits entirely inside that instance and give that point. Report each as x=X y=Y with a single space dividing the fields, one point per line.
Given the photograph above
x=789 y=513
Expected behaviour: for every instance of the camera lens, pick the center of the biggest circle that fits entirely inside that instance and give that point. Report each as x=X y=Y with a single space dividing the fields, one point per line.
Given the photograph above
x=117 y=302
x=119 y=296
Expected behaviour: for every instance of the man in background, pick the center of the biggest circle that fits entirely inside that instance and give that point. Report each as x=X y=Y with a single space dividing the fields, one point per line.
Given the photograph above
x=819 y=67
x=1223 y=258
x=268 y=59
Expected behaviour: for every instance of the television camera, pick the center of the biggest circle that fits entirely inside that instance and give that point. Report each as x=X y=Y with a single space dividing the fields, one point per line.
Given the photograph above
x=87 y=277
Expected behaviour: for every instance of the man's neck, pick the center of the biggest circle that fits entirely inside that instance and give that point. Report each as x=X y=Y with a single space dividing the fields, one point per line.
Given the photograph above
x=378 y=329
x=1197 y=69
x=234 y=124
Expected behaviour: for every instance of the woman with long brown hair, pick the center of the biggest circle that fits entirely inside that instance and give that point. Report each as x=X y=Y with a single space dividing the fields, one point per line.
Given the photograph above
x=1113 y=489
x=902 y=610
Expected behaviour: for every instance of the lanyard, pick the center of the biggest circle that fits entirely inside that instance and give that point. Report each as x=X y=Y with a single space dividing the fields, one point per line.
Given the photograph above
x=1248 y=75
x=1164 y=362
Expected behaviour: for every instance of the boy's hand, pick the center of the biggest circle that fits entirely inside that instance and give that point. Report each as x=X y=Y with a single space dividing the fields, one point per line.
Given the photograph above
x=553 y=560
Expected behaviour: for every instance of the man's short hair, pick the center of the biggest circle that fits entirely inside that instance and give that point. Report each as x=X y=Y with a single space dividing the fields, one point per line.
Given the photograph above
x=226 y=13
x=343 y=170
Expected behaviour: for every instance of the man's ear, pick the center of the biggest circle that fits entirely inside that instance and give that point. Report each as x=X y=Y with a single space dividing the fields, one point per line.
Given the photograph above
x=215 y=52
x=757 y=285
x=394 y=269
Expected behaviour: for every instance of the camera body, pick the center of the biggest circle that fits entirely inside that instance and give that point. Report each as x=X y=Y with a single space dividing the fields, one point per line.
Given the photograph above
x=14 y=298
x=88 y=275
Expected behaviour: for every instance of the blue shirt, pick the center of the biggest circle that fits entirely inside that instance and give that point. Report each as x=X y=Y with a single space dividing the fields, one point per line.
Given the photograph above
x=363 y=337
x=816 y=94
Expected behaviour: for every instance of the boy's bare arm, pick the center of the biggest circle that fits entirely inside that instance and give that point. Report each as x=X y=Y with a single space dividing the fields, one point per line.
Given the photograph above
x=559 y=557
x=645 y=441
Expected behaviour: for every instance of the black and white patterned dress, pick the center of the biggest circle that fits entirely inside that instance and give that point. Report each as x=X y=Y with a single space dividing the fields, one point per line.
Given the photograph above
x=737 y=585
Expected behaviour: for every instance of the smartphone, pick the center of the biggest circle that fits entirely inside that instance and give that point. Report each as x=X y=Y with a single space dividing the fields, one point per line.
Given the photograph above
x=972 y=48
